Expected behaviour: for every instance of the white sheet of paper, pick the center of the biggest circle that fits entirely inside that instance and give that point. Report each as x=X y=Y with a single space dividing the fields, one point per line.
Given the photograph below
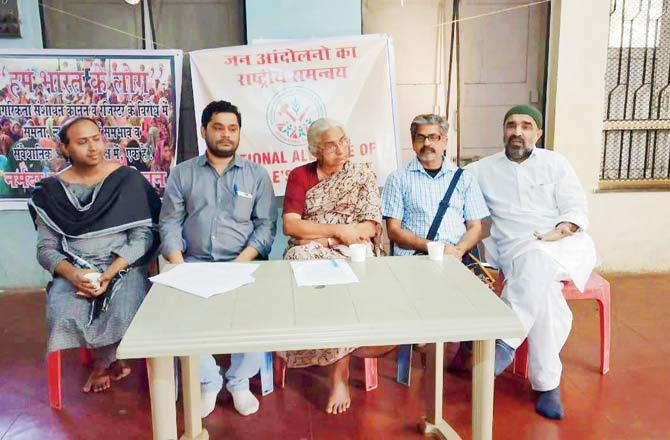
x=207 y=279
x=323 y=272
x=248 y=268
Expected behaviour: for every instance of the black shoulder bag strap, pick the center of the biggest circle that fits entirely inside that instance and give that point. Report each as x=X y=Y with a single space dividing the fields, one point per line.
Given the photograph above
x=444 y=204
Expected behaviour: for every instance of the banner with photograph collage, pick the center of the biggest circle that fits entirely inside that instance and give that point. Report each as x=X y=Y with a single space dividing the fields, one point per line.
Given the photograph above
x=133 y=96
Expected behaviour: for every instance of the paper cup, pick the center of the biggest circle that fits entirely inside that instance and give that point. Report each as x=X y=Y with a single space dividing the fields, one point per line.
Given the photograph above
x=357 y=252
x=94 y=277
x=436 y=250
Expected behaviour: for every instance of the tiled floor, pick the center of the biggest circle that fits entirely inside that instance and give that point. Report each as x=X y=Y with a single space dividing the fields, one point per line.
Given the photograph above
x=631 y=402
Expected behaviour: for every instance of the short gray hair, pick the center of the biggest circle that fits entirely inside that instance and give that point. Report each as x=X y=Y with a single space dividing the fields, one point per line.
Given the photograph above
x=429 y=119
x=316 y=129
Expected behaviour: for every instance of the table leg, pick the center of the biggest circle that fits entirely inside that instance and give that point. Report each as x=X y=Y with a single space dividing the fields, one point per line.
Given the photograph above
x=433 y=424
x=161 y=389
x=190 y=374
x=482 y=390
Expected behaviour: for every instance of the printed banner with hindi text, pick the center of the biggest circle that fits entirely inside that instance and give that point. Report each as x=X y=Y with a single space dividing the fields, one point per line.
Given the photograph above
x=282 y=87
x=133 y=96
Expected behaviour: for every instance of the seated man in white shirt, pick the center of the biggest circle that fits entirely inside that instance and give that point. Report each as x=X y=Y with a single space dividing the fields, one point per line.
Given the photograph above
x=539 y=215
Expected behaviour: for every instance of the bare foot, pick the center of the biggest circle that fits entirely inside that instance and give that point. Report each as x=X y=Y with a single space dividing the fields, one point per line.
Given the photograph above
x=118 y=370
x=97 y=381
x=339 y=400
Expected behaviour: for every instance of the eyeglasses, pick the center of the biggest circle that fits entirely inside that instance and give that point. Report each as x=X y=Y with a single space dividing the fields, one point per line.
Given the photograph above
x=432 y=138
x=330 y=147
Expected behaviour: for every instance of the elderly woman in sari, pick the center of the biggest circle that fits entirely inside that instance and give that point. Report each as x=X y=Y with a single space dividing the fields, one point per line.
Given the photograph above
x=329 y=204
x=95 y=216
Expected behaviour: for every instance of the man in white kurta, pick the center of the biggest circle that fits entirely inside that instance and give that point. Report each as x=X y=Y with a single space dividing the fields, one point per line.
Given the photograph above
x=539 y=217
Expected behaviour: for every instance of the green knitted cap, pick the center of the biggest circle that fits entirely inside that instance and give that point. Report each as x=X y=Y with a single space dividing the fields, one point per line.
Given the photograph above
x=525 y=110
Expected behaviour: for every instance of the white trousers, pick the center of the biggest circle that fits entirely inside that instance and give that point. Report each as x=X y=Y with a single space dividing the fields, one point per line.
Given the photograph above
x=533 y=289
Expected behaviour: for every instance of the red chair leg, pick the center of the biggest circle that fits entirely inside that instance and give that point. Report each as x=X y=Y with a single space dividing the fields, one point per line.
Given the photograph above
x=279 y=371
x=597 y=288
x=53 y=379
x=86 y=356
x=520 y=362
x=605 y=331
x=371 y=377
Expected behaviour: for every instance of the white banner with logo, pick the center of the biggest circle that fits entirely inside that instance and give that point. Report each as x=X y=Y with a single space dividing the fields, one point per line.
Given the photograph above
x=281 y=88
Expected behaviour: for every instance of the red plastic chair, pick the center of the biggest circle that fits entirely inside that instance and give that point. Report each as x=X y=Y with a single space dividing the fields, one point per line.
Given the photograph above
x=597 y=288
x=371 y=378
x=403 y=369
x=54 y=374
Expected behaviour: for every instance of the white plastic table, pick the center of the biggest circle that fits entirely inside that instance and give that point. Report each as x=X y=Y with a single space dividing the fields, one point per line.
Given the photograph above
x=399 y=300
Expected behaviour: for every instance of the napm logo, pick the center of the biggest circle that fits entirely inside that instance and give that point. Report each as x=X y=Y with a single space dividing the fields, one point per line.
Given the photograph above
x=291 y=112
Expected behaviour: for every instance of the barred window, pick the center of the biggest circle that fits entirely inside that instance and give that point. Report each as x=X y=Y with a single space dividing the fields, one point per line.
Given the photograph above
x=636 y=137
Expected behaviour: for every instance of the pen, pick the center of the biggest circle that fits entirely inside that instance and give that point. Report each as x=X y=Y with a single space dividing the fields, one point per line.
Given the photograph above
x=235 y=188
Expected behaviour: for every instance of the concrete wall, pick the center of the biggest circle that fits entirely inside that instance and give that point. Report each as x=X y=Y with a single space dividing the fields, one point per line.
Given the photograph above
x=18 y=265
x=422 y=51
x=631 y=229
x=281 y=19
